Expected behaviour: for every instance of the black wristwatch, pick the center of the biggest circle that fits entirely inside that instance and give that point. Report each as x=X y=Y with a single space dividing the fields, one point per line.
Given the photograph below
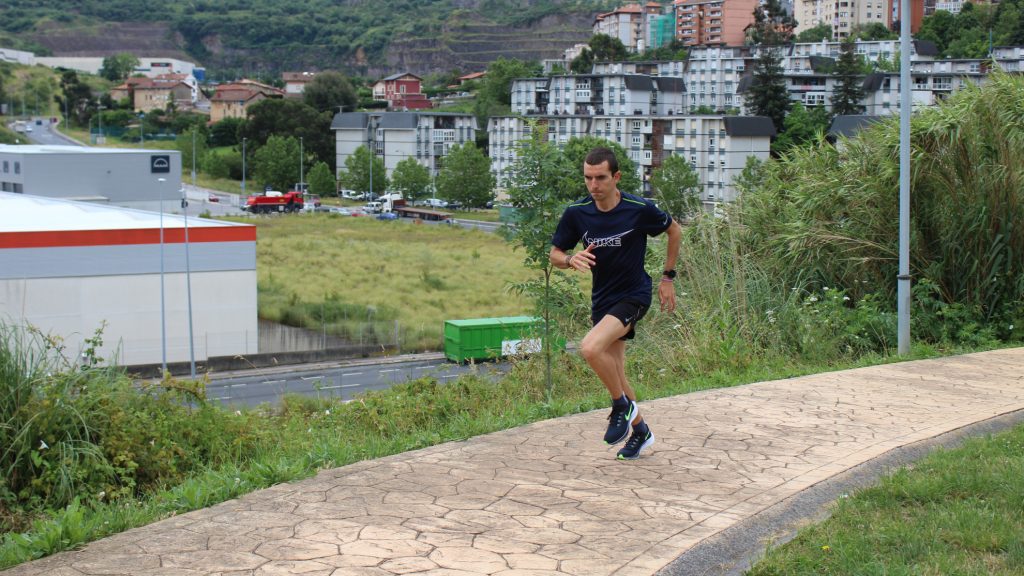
x=670 y=274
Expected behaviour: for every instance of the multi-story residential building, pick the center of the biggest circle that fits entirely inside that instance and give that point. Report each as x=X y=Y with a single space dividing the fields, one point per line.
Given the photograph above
x=596 y=94
x=842 y=15
x=713 y=75
x=631 y=24
x=713 y=22
x=394 y=136
x=716 y=146
x=401 y=91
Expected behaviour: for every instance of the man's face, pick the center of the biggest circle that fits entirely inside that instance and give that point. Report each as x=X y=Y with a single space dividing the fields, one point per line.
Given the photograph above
x=601 y=183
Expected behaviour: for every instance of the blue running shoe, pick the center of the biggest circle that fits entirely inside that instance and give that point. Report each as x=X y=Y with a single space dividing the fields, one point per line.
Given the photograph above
x=637 y=442
x=618 y=423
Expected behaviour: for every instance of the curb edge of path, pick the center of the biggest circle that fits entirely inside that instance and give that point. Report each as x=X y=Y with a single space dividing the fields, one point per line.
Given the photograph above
x=734 y=550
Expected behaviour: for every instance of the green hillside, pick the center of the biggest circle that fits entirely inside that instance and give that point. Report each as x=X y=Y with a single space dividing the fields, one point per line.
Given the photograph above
x=232 y=36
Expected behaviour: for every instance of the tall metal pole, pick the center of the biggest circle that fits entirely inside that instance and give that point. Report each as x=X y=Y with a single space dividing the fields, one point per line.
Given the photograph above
x=163 y=307
x=188 y=290
x=193 y=155
x=302 y=178
x=242 y=198
x=903 y=279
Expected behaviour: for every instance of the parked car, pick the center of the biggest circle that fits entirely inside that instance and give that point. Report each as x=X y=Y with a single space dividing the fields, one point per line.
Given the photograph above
x=387 y=216
x=213 y=198
x=313 y=199
x=436 y=203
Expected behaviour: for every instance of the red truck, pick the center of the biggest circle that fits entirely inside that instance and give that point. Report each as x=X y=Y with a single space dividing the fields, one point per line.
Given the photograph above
x=274 y=201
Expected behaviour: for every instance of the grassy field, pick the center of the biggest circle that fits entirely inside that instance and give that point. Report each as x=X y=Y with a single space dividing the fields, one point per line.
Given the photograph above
x=417 y=275
x=955 y=512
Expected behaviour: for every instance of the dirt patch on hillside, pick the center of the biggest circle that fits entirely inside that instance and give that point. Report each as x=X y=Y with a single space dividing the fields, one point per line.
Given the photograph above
x=138 y=38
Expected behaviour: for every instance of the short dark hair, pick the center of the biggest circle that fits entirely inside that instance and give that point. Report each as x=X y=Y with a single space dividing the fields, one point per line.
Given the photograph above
x=599 y=155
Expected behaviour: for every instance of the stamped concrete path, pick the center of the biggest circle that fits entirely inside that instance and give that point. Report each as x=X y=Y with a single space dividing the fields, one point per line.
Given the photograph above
x=549 y=498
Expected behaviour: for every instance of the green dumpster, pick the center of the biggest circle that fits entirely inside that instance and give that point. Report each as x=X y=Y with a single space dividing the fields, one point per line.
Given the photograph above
x=488 y=338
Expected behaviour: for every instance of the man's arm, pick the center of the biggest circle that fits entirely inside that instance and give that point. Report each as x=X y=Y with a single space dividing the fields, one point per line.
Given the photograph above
x=559 y=258
x=675 y=234
x=583 y=260
x=666 y=289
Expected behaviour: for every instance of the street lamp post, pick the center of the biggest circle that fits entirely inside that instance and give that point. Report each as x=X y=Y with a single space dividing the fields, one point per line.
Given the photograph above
x=193 y=156
x=163 y=309
x=188 y=289
x=302 y=180
x=243 y=196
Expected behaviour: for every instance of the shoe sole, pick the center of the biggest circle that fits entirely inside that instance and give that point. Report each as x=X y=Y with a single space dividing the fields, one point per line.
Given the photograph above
x=646 y=443
x=629 y=419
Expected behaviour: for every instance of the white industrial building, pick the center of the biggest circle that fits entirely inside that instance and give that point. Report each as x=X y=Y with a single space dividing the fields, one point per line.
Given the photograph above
x=69 y=268
x=128 y=177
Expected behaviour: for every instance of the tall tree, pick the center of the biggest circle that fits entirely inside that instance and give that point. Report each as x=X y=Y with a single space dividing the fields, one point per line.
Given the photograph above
x=411 y=178
x=357 y=173
x=816 y=34
x=466 y=177
x=848 y=93
x=118 y=67
x=77 y=96
x=330 y=91
x=767 y=95
x=802 y=126
x=676 y=186
x=541 y=182
x=607 y=48
x=283 y=117
x=321 y=180
x=584 y=63
x=495 y=94
x=277 y=163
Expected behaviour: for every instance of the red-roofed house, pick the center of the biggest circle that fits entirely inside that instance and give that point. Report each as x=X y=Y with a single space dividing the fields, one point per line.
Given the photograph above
x=231 y=100
x=401 y=91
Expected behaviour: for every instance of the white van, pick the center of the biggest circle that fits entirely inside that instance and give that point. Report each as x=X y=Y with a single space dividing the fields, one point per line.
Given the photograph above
x=373 y=207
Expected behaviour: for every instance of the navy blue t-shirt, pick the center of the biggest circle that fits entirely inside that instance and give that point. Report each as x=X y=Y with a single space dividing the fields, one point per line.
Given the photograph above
x=620 y=236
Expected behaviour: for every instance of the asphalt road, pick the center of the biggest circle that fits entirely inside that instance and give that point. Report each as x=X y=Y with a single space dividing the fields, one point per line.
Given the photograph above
x=343 y=381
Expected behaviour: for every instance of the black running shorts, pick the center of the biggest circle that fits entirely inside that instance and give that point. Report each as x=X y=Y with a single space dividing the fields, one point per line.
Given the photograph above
x=629 y=312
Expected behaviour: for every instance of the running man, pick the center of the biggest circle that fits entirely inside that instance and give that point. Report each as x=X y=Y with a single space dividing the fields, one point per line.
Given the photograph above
x=614 y=226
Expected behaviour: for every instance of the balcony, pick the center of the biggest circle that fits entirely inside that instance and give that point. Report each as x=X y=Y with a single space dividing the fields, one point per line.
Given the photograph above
x=443 y=136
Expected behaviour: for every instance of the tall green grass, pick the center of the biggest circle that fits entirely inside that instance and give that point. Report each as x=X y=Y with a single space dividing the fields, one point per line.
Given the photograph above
x=827 y=216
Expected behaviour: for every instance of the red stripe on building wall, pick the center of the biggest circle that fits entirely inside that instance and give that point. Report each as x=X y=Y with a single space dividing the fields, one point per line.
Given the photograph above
x=66 y=238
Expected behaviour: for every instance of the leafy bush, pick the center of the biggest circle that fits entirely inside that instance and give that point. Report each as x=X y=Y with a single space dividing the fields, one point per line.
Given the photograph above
x=824 y=216
x=83 y=432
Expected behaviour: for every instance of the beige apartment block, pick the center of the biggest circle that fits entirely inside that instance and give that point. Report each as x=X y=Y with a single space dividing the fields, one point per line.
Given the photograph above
x=713 y=22
x=842 y=15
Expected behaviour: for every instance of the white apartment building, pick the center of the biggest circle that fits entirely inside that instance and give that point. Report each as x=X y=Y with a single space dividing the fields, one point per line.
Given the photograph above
x=394 y=136
x=596 y=94
x=716 y=146
x=842 y=15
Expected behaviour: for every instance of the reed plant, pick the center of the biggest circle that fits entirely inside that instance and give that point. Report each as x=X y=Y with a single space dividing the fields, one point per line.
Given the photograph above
x=825 y=215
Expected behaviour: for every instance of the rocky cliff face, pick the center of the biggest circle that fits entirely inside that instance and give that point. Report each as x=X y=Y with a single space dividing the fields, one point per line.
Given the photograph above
x=471 y=45
x=467 y=42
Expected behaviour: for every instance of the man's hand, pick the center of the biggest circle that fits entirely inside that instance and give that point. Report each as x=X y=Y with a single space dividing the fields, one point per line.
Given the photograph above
x=667 y=296
x=584 y=260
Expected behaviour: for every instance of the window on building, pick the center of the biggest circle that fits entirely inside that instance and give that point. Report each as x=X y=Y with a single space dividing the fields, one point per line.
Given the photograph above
x=17 y=167
x=7 y=167
x=636 y=124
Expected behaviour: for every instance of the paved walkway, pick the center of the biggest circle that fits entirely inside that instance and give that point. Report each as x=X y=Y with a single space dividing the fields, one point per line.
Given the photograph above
x=549 y=498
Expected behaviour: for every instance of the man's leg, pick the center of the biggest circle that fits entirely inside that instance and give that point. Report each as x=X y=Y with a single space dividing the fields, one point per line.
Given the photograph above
x=606 y=355
x=602 y=351
x=618 y=351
